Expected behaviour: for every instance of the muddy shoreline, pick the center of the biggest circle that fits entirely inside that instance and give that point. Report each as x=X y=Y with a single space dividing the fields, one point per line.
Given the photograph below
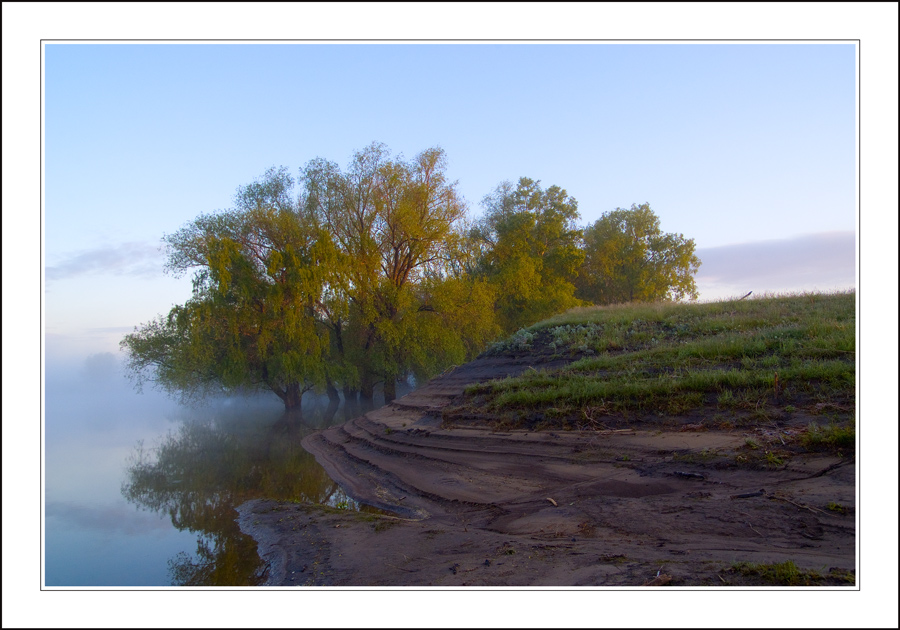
x=660 y=503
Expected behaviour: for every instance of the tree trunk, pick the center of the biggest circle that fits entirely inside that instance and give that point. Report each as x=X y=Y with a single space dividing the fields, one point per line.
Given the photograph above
x=292 y=396
x=366 y=386
x=332 y=391
x=330 y=412
x=350 y=394
x=390 y=389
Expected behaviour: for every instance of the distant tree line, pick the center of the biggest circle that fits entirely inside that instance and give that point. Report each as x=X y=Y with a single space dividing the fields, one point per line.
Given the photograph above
x=350 y=279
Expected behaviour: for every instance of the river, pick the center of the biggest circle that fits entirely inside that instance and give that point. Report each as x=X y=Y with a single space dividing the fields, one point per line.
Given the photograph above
x=141 y=491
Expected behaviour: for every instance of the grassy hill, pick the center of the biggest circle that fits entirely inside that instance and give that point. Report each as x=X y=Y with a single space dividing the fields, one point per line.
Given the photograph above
x=788 y=359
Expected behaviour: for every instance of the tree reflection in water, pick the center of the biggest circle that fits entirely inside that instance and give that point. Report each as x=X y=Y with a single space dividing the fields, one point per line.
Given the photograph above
x=201 y=472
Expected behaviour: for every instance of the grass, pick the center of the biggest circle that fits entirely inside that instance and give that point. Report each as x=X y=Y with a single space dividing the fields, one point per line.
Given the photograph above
x=788 y=574
x=833 y=437
x=671 y=358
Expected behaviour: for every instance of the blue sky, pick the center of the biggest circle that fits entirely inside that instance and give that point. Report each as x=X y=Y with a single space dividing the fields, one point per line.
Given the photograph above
x=730 y=144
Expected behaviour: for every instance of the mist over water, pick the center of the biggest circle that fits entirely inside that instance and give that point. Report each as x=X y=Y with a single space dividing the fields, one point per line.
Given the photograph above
x=116 y=514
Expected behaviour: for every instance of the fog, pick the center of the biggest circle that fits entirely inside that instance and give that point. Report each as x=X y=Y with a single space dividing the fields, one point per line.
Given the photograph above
x=94 y=422
x=94 y=392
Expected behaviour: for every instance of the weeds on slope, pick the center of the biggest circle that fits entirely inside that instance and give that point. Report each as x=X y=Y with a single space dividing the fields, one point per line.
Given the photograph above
x=782 y=352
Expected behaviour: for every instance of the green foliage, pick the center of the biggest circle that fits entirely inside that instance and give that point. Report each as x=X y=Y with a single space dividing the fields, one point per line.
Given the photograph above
x=781 y=573
x=531 y=251
x=834 y=437
x=628 y=258
x=403 y=303
x=259 y=271
x=361 y=279
x=374 y=273
x=454 y=323
x=789 y=574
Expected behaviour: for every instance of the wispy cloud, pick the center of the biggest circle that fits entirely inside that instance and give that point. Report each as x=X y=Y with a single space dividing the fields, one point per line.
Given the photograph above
x=134 y=259
x=821 y=261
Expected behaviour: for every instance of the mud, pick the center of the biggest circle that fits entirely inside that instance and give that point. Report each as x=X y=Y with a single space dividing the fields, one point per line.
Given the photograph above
x=667 y=501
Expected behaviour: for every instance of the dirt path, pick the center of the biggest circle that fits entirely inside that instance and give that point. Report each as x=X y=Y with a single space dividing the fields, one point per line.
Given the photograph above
x=665 y=503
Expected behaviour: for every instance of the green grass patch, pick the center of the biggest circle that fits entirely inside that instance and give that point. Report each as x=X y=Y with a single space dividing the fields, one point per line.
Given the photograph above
x=788 y=574
x=673 y=357
x=837 y=507
x=832 y=437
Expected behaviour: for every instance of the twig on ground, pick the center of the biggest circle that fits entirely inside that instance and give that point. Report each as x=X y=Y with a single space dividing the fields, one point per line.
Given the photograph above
x=829 y=469
x=748 y=495
x=799 y=505
x=689 y=474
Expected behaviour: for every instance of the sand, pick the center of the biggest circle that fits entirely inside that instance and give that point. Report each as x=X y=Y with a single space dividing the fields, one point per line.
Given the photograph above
x=661 y=502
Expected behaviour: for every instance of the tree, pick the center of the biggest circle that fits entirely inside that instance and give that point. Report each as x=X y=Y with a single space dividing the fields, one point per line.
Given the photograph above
x=394 y=223
x=260 y=270
x=530 y=252
x=361 y=279
x=628 y=258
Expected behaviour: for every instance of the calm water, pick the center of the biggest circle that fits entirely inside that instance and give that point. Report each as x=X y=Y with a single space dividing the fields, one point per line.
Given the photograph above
x=140 y=491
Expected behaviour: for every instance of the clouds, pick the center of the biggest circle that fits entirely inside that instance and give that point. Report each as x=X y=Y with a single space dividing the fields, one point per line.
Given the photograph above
x=133 y=259
x=824 y=261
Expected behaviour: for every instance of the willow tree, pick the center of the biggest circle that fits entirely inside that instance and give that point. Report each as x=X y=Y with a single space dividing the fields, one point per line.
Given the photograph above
x=394 y=223
x=531 y=251
x=629 y=258
x=259 y=271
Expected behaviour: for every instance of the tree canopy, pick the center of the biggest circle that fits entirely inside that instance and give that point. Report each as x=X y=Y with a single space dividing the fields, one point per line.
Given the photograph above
x=356 y=281
x=259 y=272
x=395 y=225
x=350 y=279
x=531 y=251
x=628 y=258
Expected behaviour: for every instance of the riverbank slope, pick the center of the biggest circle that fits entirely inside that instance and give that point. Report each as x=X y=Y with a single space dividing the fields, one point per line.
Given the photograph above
x=627 y=499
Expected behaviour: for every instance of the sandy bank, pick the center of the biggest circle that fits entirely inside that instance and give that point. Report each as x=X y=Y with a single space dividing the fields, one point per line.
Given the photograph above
x=554 y=508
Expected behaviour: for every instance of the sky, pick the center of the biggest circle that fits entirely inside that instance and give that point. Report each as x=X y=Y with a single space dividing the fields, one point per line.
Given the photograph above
x=747 y=148
x=735 y=121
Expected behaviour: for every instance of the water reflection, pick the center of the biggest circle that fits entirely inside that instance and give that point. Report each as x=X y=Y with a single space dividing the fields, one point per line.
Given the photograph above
x=201 y=471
